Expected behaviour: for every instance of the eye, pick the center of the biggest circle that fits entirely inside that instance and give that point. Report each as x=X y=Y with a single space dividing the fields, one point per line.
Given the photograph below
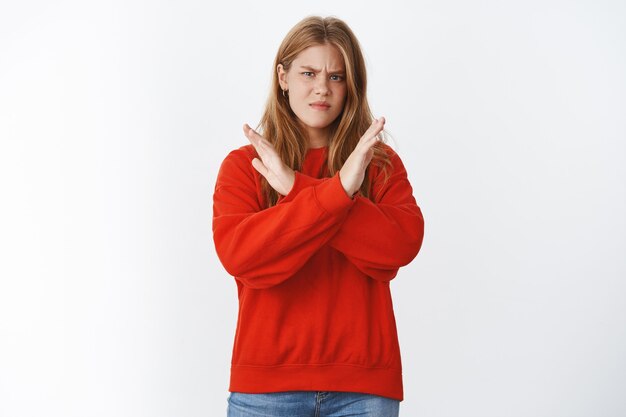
x=307 y=72
x=337 y=77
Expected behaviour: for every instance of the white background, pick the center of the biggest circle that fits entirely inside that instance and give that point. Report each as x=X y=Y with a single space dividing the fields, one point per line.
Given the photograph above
x=115 y=116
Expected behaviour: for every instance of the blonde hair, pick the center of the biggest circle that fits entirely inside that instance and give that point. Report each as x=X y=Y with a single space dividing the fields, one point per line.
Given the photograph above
x=279 y=124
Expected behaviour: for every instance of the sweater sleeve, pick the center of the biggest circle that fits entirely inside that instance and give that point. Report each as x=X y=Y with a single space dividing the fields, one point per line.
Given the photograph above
x=262 y=247
x=301 y=182
x=378 y=236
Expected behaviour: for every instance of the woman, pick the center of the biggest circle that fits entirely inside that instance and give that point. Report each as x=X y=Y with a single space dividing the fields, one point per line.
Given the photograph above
x=313 y=219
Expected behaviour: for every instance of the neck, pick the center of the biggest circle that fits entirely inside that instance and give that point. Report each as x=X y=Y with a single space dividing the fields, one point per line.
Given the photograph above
x=318 y=138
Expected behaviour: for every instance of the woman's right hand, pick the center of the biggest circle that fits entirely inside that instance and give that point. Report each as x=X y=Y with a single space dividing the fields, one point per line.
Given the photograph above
x=353 y=171
x=279 y=176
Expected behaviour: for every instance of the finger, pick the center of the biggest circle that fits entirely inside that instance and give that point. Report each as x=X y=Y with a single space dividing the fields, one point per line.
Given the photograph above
x=369 y=144
x=253 y=133
x=379 y=125
x=374 y=129
x=247 y=131
x=262 y=145
x=264 y=149
x=266 y=144
x=370 y=137
x=372 y=141
x=260 y=167
x=376 y=123
x=258 y=142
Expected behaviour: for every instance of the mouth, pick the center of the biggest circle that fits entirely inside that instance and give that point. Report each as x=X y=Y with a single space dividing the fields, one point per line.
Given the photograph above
x=320 y=105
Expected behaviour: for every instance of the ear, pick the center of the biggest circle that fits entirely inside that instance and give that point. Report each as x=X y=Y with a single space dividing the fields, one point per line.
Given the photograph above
x=282 y=77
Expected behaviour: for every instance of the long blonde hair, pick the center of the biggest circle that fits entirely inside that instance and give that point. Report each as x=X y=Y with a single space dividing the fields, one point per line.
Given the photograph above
x=279 y=124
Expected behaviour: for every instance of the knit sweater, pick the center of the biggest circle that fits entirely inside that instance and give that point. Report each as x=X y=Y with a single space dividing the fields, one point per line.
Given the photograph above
x=313 y=275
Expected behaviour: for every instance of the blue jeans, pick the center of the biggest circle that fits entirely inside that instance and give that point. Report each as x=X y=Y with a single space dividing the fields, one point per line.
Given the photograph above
x=311 y=404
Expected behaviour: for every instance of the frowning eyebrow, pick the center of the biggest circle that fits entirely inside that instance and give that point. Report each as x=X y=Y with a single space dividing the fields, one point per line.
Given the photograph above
x=310 y=68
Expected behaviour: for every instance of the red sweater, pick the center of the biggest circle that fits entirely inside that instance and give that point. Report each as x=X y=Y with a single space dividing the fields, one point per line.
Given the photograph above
x=312 y=273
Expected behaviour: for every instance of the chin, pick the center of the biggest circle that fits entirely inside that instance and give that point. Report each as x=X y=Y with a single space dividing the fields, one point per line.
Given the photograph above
x=316 y=122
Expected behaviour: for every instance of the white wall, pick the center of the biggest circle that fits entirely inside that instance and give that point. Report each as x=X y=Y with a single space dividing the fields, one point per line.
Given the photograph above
x=114 y=117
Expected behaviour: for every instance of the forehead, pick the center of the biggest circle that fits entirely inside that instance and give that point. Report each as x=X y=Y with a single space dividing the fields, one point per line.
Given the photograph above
x=321 y=56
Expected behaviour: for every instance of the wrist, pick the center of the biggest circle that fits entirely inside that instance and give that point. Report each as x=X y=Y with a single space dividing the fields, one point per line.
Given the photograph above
x=289 y=180
x=346 y=187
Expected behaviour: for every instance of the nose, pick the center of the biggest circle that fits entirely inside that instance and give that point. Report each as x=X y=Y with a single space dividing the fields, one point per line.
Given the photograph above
x=321 y=86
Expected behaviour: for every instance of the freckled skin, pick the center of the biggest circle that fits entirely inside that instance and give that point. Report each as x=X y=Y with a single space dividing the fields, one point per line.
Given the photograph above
x=324 y=81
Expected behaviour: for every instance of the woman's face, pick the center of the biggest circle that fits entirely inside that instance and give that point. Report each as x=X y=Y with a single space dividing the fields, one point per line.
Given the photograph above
x=316 y=84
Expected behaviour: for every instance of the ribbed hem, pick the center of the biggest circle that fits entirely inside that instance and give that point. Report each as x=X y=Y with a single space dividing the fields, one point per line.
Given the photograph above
x=346 y=378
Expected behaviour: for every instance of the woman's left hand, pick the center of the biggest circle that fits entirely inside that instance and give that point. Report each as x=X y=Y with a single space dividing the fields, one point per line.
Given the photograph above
x=279 y=176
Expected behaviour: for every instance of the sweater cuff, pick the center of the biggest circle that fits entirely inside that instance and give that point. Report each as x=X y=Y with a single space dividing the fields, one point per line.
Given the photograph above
x=331 y=196
x=301 y=181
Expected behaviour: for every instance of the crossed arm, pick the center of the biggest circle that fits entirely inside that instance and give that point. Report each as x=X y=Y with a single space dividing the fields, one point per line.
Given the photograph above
x=263 y=248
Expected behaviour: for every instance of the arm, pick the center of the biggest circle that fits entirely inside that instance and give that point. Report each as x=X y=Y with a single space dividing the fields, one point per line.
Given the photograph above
x=301 y=182
x=264 y=247
x=381 y=236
